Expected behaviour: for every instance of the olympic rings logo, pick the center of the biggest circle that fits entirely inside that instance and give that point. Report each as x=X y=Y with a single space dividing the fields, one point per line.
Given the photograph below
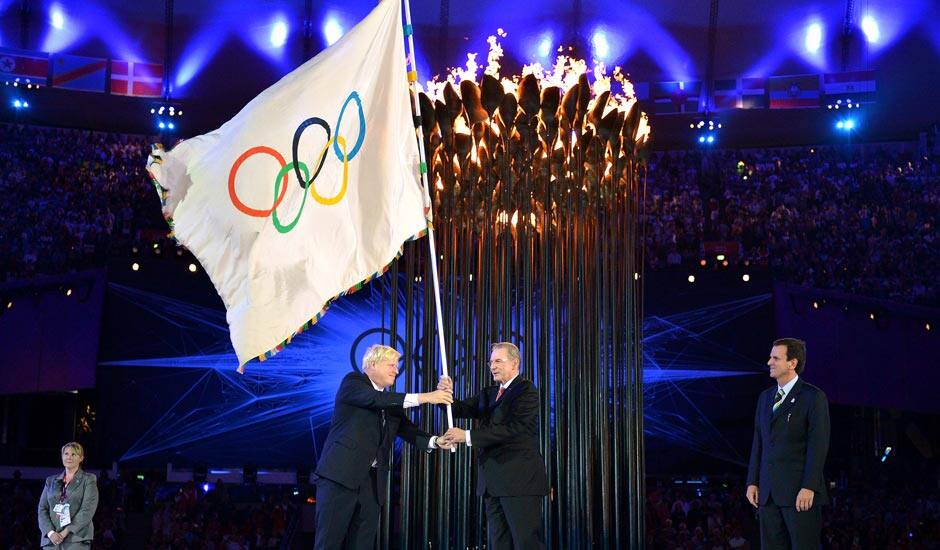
x=301 y=171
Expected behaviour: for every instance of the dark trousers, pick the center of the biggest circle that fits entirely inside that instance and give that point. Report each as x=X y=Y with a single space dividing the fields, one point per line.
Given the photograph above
x=347 y=518
x=514 y=523
x=783 y=528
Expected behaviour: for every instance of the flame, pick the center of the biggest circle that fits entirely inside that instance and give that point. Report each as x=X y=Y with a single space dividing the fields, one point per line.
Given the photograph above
x=439 y=183
x=564 y=74
x=495 y=54
x=515 y=218
x=460 y=126
x=643 y=130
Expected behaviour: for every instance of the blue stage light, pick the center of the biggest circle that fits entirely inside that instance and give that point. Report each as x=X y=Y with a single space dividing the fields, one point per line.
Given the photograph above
x=332 y=30
x=600 y=45
x=161 y=125
x=171 y=126
x=56 y=17
x=814 y=37
x=846 y=124
x=17 y=104
x=545 y=46
x=278 y=34
x=871 y=29
x=710 y=139
x=701 y=139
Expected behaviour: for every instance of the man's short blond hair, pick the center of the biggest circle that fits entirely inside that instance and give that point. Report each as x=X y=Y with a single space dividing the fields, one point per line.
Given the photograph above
x=75 y=446
x=511 y=350
x=378 y=353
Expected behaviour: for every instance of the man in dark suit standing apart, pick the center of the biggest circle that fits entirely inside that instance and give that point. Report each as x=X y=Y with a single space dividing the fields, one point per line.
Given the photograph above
x=352 y=470
x=511 y=471
x=791 y=439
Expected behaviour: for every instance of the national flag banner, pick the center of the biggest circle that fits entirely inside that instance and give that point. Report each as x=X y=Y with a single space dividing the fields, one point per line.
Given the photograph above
x=309 y=192
x=726 y=94
x=75 y=72
x=136 y=79
x=739 y=93
x=857 y=86
x=25 y=65
x=753 y=92
x=676 y=97
x=793 y=92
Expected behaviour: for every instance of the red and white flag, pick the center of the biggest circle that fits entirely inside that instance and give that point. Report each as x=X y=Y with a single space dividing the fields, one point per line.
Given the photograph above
x=857 y=86
x=25 y=65
x=136 y=79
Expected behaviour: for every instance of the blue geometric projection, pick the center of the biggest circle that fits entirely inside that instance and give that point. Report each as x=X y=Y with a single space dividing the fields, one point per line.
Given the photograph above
x=682 y=365
x=280 y=404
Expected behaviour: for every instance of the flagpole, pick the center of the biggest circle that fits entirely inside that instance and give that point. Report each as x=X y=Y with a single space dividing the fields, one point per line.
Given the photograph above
x=412 y=80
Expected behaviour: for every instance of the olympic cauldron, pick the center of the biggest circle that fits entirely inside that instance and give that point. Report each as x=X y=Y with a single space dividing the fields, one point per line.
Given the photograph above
x=536 y=183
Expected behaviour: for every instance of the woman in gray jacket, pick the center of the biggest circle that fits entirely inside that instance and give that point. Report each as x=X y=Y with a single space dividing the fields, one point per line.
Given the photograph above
x=68 y=504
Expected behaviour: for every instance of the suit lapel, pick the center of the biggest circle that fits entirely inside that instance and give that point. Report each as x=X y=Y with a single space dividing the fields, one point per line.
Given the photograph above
x=511 y=391
x=766 y=405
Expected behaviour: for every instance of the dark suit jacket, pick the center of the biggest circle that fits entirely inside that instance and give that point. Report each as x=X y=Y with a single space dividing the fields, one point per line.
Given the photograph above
x=82 y=497
x=506 y=440
x=790 y=445
x=356 y=436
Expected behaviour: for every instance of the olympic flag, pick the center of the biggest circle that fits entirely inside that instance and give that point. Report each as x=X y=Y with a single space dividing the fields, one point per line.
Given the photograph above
x=308 y=192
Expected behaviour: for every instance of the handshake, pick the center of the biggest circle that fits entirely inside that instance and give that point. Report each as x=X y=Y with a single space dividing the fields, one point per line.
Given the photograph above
x=451 y=439
x=444 y=395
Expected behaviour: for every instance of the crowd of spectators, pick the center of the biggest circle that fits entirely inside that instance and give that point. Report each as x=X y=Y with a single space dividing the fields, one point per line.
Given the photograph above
x=211 y=518
x=71 y=198
x=717 y=517
x=19 y=499
x=861 y=219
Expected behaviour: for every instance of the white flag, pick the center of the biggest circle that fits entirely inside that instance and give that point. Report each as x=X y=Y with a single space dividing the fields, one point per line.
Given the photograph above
x=308 y=192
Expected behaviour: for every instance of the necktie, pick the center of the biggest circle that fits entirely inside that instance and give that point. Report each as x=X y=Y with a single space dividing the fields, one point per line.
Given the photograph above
x=500 y=393
x=778 y=399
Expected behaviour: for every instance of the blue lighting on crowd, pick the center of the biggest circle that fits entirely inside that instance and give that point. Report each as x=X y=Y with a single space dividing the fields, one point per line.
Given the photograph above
x=332 y=30
x=278 y=34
